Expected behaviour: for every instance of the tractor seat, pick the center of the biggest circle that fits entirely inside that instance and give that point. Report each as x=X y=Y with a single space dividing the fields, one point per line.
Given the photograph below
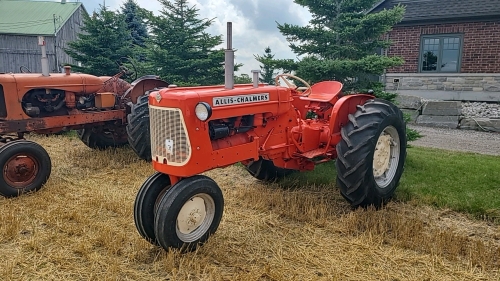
x=324 y=91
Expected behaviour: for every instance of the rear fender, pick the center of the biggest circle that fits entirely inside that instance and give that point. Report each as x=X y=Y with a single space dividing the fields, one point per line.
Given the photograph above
x=142 y=85
x=340 y=113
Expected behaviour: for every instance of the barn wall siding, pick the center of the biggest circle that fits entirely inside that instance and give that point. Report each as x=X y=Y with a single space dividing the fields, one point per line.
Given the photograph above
x=20 y=50
x=23 y=50
x=68 y=33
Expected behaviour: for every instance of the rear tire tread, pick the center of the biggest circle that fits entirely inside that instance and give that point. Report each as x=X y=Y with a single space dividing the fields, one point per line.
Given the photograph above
x=99 y=141
x=138 y=130
x=356 y=149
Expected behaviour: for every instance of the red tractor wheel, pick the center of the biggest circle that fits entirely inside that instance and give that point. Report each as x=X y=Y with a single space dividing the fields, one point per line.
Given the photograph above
x=26 y=167
x=371 y=154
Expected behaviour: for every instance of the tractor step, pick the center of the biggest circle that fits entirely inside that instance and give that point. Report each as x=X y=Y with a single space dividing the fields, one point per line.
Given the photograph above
x=313 y=153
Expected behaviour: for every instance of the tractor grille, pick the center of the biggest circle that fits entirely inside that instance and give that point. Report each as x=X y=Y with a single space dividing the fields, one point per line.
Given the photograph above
x=169 y=138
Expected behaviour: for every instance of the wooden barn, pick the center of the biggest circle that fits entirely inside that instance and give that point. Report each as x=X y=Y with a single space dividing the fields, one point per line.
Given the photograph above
x=22 y=21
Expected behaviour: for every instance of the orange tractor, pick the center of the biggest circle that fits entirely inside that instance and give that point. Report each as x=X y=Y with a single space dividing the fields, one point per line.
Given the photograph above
x=272 y=131
x=106 y=111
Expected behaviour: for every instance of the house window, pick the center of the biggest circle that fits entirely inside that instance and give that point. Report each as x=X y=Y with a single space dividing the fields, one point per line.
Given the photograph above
x=440 y=53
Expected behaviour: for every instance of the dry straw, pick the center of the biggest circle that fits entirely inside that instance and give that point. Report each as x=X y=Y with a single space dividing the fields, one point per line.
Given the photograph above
x=80 y=227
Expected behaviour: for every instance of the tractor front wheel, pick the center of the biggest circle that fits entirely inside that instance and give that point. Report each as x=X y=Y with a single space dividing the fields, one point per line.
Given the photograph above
x=188 y=213
x=138 y=128
x=26 y=167
x=146 y=202
x=371 y=154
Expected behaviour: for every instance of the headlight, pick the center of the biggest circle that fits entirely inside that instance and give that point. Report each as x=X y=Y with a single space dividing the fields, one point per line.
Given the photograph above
x=203 y=111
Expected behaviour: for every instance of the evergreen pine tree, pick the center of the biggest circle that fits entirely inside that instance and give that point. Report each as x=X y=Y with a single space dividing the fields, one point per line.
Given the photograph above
x=267 y=66
x=242 y=79
x=341 y=41
x=135 y=22
x=104 y=41
x=182 y=52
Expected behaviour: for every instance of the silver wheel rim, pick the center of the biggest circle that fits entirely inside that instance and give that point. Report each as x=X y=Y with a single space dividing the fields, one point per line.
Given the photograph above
x=386 y=156
x=195 y=217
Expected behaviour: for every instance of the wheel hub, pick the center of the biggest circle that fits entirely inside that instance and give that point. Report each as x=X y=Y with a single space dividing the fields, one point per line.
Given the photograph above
x=191 y=215
x=20 y=170
x=382 y=155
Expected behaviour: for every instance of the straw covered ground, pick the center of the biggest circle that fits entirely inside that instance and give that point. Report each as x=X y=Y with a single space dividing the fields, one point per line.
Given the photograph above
x=80 y=227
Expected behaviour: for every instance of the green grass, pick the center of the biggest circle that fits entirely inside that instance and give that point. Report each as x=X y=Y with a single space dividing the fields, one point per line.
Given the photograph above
x=463 y=182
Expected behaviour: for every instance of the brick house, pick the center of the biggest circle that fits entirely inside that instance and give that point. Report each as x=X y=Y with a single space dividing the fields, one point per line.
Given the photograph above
x=451 y=49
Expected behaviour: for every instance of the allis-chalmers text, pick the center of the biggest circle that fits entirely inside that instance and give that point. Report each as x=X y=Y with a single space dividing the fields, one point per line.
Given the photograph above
x=233 y=100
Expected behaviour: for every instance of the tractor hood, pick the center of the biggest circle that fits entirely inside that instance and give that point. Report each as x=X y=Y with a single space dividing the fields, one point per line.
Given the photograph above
x=243 y=99
x=74 y=82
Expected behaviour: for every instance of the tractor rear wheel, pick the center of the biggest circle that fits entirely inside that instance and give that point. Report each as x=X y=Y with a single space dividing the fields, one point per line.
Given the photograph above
x=138 y=128
x=265 y=170
x=146 y=202
x=371 y=154
x=102 y=137
x=26 y=167
x=188 y=213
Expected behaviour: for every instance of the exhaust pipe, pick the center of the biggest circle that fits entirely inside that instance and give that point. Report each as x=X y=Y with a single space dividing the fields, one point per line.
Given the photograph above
x=229 y=59
x=45 y=60
x=255 y=78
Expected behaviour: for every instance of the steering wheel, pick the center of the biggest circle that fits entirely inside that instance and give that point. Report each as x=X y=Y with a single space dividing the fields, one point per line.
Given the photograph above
x=24 y=69
x=308 y=89
x=127 y=73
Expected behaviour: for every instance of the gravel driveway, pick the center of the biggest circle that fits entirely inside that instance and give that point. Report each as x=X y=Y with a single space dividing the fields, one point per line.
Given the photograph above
x=458 y=140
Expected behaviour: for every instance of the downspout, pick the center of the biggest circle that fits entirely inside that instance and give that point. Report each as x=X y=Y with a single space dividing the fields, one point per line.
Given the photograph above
x=56 y=60
x=384 y=74
x=57 y=69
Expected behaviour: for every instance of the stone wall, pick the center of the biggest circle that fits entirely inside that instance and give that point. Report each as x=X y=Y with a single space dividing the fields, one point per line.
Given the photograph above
x=450 y=114
x=476 y=82
x=440 y=86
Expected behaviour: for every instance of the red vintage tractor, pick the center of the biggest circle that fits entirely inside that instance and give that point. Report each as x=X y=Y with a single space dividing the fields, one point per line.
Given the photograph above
x=106 y=111
x=273 y=131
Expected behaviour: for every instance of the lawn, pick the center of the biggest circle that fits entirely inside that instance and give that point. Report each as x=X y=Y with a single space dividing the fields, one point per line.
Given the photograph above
x=463 y=182
x=80 y=226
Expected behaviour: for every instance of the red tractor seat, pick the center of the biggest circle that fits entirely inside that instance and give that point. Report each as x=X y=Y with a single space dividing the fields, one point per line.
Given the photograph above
x=324 y=91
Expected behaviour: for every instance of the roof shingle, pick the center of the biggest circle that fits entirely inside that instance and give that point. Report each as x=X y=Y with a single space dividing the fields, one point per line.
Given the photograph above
x=420 y=10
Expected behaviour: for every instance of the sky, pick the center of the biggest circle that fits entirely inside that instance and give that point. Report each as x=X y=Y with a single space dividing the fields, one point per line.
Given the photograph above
x=254 y=23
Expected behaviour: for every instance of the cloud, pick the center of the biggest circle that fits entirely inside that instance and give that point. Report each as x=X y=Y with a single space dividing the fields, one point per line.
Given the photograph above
x=254 y=24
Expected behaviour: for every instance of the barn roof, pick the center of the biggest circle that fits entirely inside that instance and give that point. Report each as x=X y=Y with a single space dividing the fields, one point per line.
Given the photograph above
x=439 y=10
x=34 y=17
